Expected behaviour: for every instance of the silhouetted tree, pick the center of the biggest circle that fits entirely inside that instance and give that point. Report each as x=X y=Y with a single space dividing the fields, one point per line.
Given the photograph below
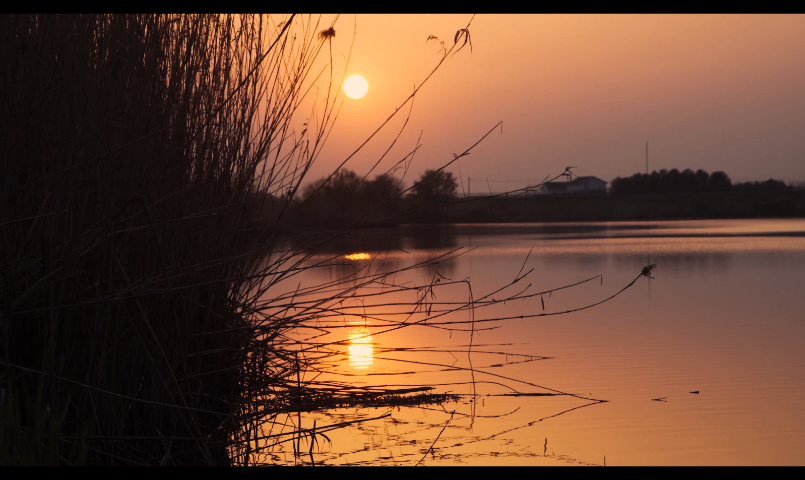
x=344 y=198
x=337 y=200
x=432 y=189
x=343 y=185
x=384 y=194
x=313 y=188
x=702 y=180
x=687 y=181
x=769 y=184
x=673 y=181
x=434 y=186
x=720 y=182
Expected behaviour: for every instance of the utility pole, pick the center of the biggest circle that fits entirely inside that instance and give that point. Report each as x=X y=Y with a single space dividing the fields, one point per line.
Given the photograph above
x=469 y=186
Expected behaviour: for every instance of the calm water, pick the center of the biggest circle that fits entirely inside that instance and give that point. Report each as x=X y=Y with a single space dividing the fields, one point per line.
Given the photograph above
x=723 y=316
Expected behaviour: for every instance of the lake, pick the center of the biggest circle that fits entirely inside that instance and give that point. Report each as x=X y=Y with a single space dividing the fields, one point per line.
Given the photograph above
x=723 y=316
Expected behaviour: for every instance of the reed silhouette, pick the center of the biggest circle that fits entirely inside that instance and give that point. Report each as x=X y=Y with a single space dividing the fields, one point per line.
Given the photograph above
x=149 y=311
x=134 y=146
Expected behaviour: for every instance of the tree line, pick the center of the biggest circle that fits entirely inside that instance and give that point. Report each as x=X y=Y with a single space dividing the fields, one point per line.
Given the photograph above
x=348 y=197
x=687 y=181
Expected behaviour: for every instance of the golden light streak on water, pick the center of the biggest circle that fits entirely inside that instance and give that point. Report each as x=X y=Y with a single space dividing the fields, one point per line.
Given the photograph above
x=358 y=256
x=361 y=348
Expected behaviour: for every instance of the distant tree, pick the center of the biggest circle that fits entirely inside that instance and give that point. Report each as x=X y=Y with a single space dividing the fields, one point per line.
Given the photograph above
x=620 y=185
x=769 y=184
x=719 y=182
x=313 y=188
x=383 y=188
x=674 y=181
x=634 y=184
x=343 y=187
x=337 y=199
x=432 y=189
x=345 y=198
x=661 y=181
x=655 y=184
x=688 y=182
x=384 y=194
x=702 y=180
x=435 y=186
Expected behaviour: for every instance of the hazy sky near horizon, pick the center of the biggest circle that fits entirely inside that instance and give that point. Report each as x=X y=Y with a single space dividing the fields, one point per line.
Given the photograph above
x=718 y=92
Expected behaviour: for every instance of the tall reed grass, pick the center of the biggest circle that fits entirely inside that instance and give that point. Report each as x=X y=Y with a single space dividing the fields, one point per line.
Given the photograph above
x=133 y=148
x=148 y=164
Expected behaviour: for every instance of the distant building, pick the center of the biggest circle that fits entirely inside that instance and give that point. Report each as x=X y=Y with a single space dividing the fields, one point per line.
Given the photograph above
x=581 y=185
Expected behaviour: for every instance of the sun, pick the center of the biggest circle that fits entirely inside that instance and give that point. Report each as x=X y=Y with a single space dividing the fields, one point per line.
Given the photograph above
x=355 y=86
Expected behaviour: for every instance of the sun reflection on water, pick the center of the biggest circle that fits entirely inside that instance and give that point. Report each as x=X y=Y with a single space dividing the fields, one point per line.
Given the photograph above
x=361 y=348
x=358 y=256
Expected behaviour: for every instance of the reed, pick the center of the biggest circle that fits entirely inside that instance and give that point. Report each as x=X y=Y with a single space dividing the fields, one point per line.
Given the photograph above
x=134 y=147
x=149 y=165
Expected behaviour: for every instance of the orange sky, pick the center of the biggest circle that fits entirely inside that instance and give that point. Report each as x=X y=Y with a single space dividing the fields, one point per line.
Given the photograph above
x=719 y=92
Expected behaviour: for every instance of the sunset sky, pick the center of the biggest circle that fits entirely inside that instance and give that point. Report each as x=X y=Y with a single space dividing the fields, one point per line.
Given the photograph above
x=718 y=92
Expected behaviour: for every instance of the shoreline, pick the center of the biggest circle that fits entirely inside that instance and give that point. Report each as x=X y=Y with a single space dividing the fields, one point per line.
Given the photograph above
x=567 y=209
x=636 y=207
